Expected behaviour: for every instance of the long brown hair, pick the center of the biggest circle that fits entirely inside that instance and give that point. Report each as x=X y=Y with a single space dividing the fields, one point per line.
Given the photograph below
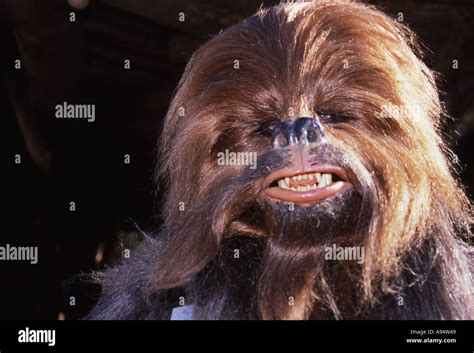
x=348 y=58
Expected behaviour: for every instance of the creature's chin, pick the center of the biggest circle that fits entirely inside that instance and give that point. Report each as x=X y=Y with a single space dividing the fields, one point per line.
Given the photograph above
x=307 y=187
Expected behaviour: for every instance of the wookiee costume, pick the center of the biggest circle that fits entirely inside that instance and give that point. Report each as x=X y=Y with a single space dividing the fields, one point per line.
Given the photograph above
x=344 y=118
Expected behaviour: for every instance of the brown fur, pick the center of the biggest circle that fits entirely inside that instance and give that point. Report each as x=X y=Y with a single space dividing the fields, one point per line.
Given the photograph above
x=338 y=56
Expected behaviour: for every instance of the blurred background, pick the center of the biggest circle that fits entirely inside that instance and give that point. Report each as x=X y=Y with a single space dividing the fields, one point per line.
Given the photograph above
x=74 y=51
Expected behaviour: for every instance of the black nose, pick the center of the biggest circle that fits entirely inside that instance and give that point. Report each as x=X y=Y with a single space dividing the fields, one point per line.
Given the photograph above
x=299 y=132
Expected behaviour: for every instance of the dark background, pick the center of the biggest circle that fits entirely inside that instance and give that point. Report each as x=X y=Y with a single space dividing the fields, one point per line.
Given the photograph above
x=82 y=62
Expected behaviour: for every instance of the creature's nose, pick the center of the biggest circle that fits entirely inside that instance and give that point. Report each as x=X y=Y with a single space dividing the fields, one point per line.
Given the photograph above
x=301 y=131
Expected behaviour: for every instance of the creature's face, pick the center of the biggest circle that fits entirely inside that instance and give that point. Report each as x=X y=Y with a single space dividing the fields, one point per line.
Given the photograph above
x=305 y=125
x=338 y=110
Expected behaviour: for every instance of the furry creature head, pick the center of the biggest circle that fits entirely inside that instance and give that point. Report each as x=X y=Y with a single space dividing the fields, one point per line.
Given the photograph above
x=343 y=117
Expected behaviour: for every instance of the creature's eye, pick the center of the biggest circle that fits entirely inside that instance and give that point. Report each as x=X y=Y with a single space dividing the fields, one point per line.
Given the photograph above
x=269 y=128
x=276 y=130
x=333 y=118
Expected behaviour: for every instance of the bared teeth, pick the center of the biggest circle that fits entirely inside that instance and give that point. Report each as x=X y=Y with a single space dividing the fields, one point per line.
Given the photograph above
x=322 y=183
x=328 y=179
x=283 y=183
x=321 y=180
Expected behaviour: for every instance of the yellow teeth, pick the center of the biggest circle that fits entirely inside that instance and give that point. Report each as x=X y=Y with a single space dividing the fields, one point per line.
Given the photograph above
x=321 y=180
x=301 y=177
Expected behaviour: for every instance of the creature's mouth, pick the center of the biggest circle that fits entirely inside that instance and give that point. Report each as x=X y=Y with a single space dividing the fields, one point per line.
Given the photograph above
x=305 y=187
